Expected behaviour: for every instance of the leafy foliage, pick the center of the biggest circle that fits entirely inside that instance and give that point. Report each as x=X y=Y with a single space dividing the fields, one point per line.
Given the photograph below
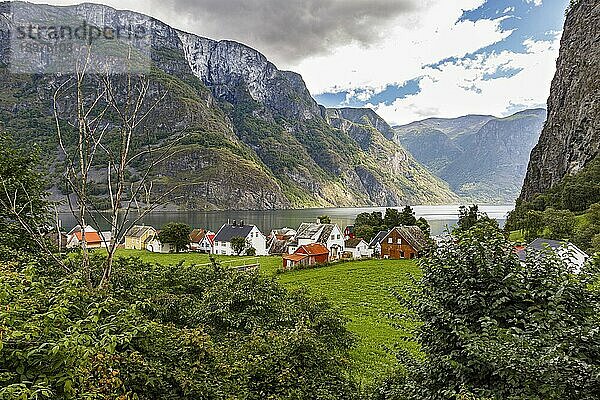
x=238 y=244
x=367 y=225
x=324 y=219
x=21 y=191
x=498 y=329
x=176 y=234
x=166 y=332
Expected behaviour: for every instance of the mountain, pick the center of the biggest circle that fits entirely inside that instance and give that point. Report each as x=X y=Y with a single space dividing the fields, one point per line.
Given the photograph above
x=254 y=138
x=570 y=140
x=482 y=158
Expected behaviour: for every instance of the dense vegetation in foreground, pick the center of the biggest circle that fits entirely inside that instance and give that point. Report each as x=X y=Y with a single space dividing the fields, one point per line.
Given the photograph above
x=166 y=332
x=362 y=291
x=487 y=325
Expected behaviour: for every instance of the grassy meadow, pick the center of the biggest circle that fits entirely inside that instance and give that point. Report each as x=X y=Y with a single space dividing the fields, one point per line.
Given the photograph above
x=361 y=290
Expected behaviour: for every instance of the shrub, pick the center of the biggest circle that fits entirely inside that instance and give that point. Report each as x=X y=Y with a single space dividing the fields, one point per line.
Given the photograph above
x=499 y=329
x=166 y=332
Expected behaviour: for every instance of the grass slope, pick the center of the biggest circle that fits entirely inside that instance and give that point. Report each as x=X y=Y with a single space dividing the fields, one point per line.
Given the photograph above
x=361 y=290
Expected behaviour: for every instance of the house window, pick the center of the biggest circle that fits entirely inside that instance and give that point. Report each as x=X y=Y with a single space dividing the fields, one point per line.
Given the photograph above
x=401 y=254
x=332 y=237
x=390 y=240
x=338 y=236
x=399 y=241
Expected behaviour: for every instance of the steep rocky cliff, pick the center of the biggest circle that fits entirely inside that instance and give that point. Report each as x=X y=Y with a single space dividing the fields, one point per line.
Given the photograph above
x=570 y=139
x=255 y=138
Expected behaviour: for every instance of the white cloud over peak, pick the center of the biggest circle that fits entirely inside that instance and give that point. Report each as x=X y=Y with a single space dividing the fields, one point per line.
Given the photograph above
x=536 y=2
x=415 y=39
x=494 y=83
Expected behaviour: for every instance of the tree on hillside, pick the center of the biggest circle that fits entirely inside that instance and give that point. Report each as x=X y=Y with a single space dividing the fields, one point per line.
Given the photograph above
x=424 y=225
x=176 y=234
x=324 y=219
x=371 y=219
x=407 y=217
x=365 y=232
x=559 y=224
x=24 y=209
x=101 y=121
x=496 y=328
x=391 y=218
x=239 y=244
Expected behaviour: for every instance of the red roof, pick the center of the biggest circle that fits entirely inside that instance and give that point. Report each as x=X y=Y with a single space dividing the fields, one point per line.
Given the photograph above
x=211 y=238
x=313 y=249
x=197 y=235
x=294 y=257
x=90 y=237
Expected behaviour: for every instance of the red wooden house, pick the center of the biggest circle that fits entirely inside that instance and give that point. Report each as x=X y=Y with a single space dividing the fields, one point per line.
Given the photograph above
x=309 y=254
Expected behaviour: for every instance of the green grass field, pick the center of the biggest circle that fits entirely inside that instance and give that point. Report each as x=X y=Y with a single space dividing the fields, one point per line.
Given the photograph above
x=361 y=290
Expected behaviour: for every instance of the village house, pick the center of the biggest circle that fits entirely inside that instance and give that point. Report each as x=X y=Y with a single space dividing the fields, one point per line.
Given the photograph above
x=254 y=238
x=328 y=235
x=403 y=242
x=349 y=232
x=566 y=251
x=279 y=240
x=93 y=238
x=154 y=245
x=358 y=248
x=308 y=254
x=201 y=240
x=138 y=236
x=375 y=243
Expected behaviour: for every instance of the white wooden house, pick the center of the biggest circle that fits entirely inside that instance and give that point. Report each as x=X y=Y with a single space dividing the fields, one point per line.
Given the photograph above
x=329 y=235
x=253 y=235
x=358 y=248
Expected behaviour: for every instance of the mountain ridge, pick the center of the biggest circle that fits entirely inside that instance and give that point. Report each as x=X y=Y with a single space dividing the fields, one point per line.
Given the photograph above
x=259 y=125
x=570 y=140
x=482 y=158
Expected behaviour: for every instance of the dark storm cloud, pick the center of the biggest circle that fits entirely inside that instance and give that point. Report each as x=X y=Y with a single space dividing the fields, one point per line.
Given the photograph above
x=289 y=31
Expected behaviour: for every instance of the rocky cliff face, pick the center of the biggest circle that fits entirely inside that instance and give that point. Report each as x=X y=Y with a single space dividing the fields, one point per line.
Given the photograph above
x=257 y=139
x=571 y=135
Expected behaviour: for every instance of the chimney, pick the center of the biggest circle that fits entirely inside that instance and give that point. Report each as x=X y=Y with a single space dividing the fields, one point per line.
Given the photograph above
x=241 y=222
x=234 y=222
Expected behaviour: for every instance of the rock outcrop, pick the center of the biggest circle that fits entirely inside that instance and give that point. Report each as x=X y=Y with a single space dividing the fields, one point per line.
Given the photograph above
x=571 y=136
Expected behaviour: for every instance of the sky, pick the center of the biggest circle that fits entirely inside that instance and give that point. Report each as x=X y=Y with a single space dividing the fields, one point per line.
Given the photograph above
x=407 y=59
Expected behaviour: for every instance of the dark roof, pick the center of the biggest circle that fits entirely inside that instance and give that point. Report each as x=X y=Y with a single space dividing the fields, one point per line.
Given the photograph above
x=308 y=230
x=378 y=238
x=413 y=235
x=277 y=246
x=138 y=230
x=352 y=243
x=228 y=231
x=541 y=244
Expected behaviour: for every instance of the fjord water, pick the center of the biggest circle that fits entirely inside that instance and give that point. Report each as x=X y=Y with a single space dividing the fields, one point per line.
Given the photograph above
x=439 y=217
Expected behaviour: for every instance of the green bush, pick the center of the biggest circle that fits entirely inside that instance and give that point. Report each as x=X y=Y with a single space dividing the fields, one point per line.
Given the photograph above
x=496 y=328
x=166 y=332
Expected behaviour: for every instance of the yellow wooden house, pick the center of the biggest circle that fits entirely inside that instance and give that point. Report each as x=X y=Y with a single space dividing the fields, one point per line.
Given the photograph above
x=138 y=236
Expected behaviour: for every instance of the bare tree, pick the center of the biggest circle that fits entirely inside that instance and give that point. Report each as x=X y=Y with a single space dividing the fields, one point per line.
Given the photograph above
x=111 y=107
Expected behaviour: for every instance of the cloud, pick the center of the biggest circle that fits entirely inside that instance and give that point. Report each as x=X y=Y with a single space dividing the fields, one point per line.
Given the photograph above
x=412 y=42
x=287 y=31
x=537 y=3
x=519 y=80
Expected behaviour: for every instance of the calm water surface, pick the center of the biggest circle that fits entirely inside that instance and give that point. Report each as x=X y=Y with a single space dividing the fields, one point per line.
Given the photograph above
x=439 y=217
